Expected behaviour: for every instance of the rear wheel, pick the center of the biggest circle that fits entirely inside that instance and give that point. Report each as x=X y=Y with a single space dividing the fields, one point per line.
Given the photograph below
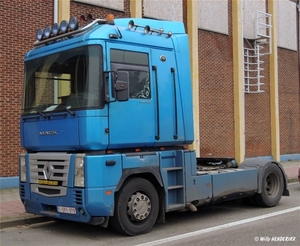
x=136 y=207
x=272 y=187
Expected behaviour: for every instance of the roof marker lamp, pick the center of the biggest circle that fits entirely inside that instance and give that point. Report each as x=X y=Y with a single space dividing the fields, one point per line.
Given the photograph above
x=39 y=34
x=73 y=24
x=63 y=27
x=54 y=29
x=47 y=32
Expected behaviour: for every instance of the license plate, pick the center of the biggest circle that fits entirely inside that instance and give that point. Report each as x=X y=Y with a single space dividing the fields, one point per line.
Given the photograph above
x=47 y=182
x=66 y=210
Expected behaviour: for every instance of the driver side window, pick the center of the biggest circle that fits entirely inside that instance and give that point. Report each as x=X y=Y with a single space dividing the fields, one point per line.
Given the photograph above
x=137 y=66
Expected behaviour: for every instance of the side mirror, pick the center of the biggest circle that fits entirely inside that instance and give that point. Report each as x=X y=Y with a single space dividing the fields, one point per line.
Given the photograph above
x=122 y=86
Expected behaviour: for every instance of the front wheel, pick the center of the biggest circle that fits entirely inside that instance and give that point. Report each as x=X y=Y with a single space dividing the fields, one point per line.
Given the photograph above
x=272 y=187
x=136 y=207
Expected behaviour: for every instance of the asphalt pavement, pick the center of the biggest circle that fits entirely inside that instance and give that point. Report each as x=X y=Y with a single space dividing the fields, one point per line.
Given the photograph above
x=13 y=213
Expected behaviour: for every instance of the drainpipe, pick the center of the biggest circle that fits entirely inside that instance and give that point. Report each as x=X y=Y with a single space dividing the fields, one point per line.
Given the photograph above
x=55 y=19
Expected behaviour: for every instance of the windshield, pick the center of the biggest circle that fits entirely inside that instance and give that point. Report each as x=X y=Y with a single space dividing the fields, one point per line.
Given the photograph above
x=67 y=80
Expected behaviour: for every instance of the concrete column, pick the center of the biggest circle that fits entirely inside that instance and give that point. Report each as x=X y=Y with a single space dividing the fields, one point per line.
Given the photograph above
x=238 y=77
x=136 y=9
x=63 y=10
x=192 y=30
x=274 y=101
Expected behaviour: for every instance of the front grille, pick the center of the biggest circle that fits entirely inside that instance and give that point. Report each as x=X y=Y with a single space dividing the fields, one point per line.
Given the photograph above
x=49 y=167
x=77 y=197
x=22 y=191
x=49 y=191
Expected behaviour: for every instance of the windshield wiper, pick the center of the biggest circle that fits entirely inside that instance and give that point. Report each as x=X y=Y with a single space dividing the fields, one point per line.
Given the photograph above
x=68 y=110
x=39 y=112
x=43 y=115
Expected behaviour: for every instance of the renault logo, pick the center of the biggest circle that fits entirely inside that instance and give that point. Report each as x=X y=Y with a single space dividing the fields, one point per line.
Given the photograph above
x=47 y=170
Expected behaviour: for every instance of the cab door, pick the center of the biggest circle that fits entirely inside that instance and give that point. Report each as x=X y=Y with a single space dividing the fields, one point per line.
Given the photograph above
x=131 y=122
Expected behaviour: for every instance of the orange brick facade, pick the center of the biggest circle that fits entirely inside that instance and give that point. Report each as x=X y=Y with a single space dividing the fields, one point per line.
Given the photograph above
x=22 y=18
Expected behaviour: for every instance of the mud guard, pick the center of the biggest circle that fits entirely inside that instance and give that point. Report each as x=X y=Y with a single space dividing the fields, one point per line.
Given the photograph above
x=261 y=165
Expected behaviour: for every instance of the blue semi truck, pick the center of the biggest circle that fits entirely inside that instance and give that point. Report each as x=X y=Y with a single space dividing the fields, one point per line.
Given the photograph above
x=106 y=122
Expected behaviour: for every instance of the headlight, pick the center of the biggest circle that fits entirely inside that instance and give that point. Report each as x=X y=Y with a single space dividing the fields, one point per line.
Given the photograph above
x=22 y=167
x=79 y=171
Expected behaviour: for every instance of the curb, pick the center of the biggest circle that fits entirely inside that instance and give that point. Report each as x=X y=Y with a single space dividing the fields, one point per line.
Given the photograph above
x=24 y=221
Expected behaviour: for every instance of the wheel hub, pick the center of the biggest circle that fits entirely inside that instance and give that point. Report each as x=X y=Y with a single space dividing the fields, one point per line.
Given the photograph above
x=139 y=207
x=272 y=185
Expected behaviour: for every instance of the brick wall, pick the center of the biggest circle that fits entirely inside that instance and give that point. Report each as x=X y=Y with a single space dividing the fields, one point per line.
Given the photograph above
x=257 y=116
x=20 y=20
x=289 y=101
x=23 y=18
x=216 y=93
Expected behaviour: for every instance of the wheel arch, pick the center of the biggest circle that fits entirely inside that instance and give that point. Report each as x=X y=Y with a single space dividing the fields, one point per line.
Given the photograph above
x=262 y=165
x=152 y=174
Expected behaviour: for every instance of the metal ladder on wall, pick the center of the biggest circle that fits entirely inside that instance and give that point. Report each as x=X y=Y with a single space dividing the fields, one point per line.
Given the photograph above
x=259 y=46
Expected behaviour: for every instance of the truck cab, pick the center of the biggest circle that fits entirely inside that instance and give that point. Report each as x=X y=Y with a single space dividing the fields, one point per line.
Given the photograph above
x=108 y=87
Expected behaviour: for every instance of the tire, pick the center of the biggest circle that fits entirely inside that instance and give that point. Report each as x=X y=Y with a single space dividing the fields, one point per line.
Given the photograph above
x=272 y=187
x=136 y=207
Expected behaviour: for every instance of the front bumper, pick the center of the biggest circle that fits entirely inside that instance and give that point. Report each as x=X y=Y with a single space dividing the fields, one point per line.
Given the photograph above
x=92 y=206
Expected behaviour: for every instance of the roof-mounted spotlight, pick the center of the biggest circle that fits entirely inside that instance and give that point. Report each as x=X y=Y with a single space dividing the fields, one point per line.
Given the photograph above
x=89 y=18
x=67 y=29
x=73 y=24
x=82 y=18
x=63 y=27
x=85 y=20
x=39 y=34
x=54 y=29
x=47 y=32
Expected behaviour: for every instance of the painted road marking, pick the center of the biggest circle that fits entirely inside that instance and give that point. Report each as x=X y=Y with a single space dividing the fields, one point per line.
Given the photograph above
x=215 y=228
